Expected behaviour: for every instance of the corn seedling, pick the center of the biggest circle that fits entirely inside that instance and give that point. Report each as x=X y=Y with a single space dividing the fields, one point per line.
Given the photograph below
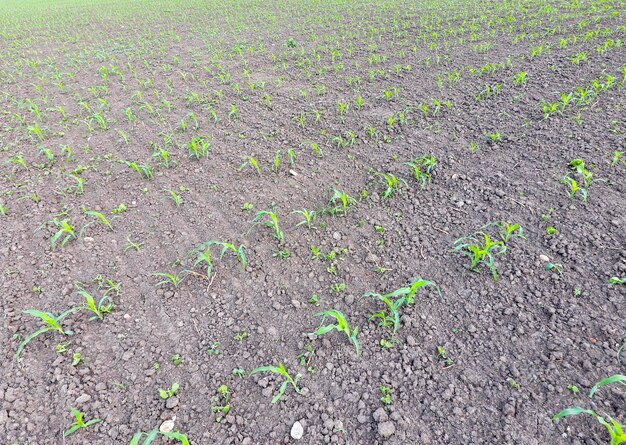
x=422 y=169
x=281 y=371
x=51 y=322
x=269 y=219
x=132 y=245
x=198 y=148
x=614 y=428
x=99 y=219
x=341 y=325
x=144 y=170
x=308 y=217
x=167 y=393
x=220 y=404
x=617 y=158
x=396 y=300
x=481 y=250
x=101 y=308
x=178 y=199
x=64 y=233
x=152 y=435
x=390 y=316
x=174 y=280
x=341 y=202
x=252 y=163
x=79 y=423
x=391 y=182
x=508 y=231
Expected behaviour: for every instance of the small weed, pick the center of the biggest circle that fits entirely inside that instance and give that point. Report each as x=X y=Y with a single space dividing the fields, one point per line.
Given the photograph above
x=385 y=395
x=167 y=393
x=79 y=423
x=220 y=404
x=443 y=357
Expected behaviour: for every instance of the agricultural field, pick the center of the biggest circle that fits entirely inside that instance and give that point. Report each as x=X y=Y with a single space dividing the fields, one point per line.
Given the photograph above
x=303 y=221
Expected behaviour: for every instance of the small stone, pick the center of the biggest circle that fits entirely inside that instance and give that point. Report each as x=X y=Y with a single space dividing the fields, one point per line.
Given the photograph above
x=544 y=258
x=349 y=299
x=386 y=429
x=410 y=340
x=293 y=173
x=371 y=258
x=380 y=415
x=297 y=431
x=83 y=399
x=101 y=387
x=167 y=426
x=126 y=316
x=171 y=402
x=336 y=236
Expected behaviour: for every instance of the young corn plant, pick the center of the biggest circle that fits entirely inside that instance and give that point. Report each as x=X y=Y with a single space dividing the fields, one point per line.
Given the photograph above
x=614 y=428
x=103 y=307
x=423 y=168
x=64 y=233
x=252 y=163
x=51 y=323
x=391 y=182
x=268 y=218
x=508 y=231
x=341 y=202
x=198 y=148
x=99 y=218
x=171 y=279
x=390 y=316
x=152 y=435
x=79 y=423
x=341 y=325
x=308 y=217
x=143 y=170
x=481 y=250
x=281 y=371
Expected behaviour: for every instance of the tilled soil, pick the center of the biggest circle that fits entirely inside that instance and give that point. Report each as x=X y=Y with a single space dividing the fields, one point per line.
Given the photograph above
x=512 y=346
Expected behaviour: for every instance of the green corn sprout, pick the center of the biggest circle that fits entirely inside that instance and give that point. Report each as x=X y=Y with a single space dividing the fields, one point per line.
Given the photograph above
x=178 y=200
x=341 y=202
x=617 y=158
x=422 y=169
x=65 y=231
x=391 y=182
x=252 y=163
x=152 y=435
x=276 y=161
x=174 y=280
x=508 y=231
x=341 y=326
x=51 y=322
x=198 y=148
x=269 y=219
x=79 y=423
x=100 y=309
x=480 y=251
x=573 y=188
x=144 y=170
x=100 y=218
x=308 y=217
x=617 y=280
x=614 y=428
x=203 y=254
x=280 y=370
x=390 y=316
